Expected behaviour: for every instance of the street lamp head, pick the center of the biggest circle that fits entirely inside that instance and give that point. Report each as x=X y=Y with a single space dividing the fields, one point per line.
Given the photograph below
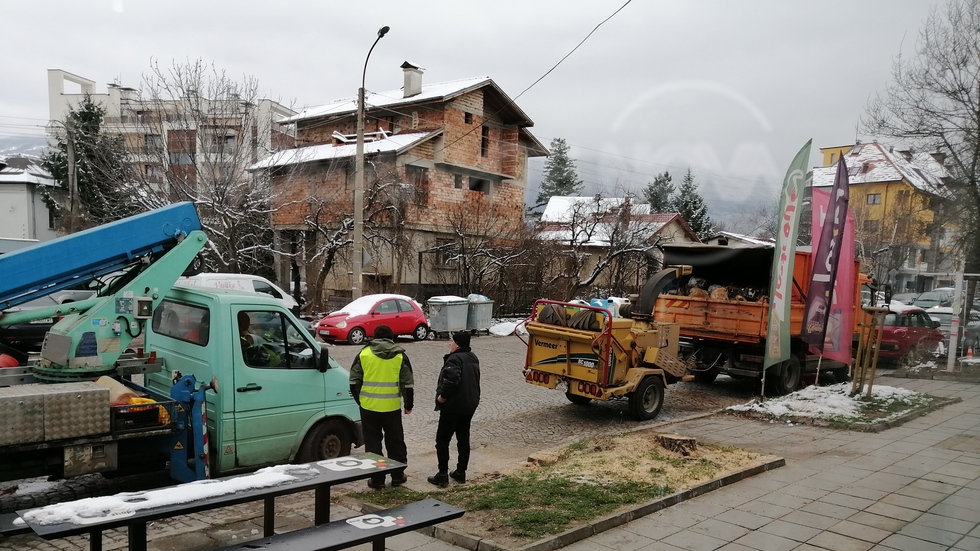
x=383 y=31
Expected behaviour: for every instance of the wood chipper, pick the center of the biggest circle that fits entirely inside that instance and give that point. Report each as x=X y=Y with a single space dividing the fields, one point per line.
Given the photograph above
x=596 y=355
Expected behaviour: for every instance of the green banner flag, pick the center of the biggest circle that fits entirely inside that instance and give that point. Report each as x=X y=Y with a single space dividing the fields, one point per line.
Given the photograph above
x=781 y=286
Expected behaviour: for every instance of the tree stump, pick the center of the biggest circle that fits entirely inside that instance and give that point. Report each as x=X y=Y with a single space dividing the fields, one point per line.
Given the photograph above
x=683 y=445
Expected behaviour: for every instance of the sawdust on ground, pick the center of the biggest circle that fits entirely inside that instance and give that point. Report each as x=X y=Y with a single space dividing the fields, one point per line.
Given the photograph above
x=634 y=456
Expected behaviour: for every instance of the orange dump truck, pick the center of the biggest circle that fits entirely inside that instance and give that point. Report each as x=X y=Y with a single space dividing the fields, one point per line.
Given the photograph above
x=722 y=309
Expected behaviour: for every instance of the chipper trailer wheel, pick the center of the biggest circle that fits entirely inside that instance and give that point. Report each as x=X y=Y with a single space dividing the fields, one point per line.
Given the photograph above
x=648 y=398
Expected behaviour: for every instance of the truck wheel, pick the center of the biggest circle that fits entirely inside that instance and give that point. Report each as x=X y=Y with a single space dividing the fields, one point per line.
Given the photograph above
x=327 y=440
x=577 y=400
x=648 y=398
x=784 y=378
x=707 y=376
x=356 y=336
x=421 y=332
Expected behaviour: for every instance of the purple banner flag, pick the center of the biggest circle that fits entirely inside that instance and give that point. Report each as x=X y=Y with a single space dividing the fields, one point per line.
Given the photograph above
x=826 y=258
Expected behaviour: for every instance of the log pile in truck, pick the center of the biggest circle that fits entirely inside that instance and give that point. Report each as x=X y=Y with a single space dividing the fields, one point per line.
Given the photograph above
x=722 y=310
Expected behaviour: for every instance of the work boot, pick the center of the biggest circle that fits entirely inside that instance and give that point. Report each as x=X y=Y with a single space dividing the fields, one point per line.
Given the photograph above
x=398 y=479
x=440 y=479
x=458 y=476
x=376 y=485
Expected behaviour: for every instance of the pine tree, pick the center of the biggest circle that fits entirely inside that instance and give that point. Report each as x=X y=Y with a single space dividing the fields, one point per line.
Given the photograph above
x=658 y=193
x=560 y=178
x=99 y=166
x=692 y=207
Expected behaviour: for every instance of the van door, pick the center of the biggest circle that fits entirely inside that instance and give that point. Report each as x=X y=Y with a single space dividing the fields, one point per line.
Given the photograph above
x=277 y=389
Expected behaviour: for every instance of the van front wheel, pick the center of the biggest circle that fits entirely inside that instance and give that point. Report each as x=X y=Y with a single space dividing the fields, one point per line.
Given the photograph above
x=327 y=440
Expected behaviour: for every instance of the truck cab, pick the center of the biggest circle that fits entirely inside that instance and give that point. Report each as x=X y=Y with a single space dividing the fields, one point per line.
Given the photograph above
x=281 y=398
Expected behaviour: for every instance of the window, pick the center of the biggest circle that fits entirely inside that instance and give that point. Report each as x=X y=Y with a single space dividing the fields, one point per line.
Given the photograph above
x=154 y=143
x=874 y=199
x=445 y=253
x=468 y=118
x=458 y=181
x=404 y=306
x=871 y=225
x=418 y=176
x=387 y=124
x=181 y=158
x=270 y=340
x=387 y=307
x=263 y=287
x=185 y=322
x=485 y=142
x=479 y=184
x=154 y=173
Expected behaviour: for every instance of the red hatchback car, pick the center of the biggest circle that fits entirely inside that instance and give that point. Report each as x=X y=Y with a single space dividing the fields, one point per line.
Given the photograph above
x=356 y=322
x=909 y=335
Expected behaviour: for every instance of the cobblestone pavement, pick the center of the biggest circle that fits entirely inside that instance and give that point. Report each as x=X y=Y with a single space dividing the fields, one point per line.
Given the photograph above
x=515 y=419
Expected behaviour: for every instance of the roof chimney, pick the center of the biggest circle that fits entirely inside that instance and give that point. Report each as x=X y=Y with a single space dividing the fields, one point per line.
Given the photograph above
x=413 y=79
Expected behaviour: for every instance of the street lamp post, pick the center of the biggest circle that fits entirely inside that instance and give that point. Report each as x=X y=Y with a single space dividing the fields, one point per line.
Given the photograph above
x=356 y=287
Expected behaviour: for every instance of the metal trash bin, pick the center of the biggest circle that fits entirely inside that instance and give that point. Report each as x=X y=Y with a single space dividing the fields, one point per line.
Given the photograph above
x=447 y=314
x=479 y=314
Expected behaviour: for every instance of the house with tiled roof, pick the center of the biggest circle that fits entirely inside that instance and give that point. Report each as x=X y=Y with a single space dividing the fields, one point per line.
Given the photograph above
x=26 y=217
x=452 y=153
x=591 y=228
x=895 y=196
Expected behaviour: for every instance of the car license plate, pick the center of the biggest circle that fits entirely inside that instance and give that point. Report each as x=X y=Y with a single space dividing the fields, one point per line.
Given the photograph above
x=43 y=320
x=540 y=378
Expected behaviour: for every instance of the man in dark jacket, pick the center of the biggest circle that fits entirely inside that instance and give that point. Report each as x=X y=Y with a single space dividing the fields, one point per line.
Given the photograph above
x=457 y=397
x=380 y=378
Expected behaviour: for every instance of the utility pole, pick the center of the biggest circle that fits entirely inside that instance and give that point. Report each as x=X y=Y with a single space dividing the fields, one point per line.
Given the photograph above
x=358 y=278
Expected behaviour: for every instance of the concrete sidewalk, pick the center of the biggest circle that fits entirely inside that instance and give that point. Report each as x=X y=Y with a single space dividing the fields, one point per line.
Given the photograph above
x=911 y=488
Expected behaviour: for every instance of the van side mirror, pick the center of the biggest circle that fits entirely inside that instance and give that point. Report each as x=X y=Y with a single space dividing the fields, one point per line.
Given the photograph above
x=935 y=324
x=323 y=359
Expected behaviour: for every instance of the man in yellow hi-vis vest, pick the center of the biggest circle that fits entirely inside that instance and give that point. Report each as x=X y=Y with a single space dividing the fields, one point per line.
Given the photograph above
x=380 y=378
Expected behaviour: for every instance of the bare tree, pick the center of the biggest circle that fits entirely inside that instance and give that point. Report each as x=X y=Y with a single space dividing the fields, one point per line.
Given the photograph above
x=199 y=130
x=601 y=237
x=933 y=104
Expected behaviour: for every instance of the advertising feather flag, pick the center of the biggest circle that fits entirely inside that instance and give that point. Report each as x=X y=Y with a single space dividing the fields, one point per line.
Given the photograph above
x=781 y=286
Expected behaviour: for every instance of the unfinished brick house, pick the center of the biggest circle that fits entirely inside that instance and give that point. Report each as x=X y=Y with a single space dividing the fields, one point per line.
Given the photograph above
x=442 y=162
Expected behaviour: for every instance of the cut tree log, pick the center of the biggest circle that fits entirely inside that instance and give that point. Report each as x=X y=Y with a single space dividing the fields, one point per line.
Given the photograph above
x=683 y=445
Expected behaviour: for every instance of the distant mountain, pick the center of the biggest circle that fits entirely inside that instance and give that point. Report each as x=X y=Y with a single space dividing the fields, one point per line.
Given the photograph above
x=35 y=146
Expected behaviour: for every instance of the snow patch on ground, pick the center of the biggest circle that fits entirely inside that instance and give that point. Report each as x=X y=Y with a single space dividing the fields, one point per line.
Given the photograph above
x=825 y=402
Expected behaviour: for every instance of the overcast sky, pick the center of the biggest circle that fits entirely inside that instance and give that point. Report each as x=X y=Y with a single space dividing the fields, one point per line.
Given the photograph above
x=728 y=88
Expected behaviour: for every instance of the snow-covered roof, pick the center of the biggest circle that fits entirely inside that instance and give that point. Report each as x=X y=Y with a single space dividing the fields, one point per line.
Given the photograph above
x=560 y=224
x=326 y=152
x=25 y=169
x=872 y=163
x=562 y=209
x=740 y=237
x=392 y=98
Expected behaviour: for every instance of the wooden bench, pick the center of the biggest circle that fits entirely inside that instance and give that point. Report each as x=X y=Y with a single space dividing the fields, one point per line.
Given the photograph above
x=373 y=528
x=320 y=476
x=8 y=528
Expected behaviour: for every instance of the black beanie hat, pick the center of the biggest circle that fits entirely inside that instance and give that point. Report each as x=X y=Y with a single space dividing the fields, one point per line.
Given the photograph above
x=462 y=339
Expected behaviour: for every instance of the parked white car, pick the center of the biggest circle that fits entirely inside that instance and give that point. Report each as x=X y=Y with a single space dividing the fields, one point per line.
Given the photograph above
x=241 y=282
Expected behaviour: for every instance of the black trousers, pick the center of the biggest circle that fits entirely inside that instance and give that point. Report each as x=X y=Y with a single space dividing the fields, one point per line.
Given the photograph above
x=453 y=424
x=387 y=426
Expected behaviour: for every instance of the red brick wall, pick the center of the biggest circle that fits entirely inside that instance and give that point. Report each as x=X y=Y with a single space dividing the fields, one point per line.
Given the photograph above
x=460 y=144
